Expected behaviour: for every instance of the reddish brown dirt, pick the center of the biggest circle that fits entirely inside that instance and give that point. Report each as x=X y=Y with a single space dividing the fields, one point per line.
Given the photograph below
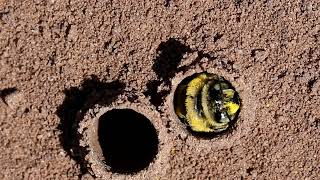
x=55 y=54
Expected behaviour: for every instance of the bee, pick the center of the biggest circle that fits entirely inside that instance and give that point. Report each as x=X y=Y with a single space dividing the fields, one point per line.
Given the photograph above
x=206 y=102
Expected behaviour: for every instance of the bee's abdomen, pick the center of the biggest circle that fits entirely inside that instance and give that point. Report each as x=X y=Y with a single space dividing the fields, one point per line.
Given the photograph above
x=209 y=104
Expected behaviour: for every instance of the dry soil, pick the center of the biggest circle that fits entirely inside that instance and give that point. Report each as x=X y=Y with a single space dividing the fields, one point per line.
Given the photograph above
x=62 y=58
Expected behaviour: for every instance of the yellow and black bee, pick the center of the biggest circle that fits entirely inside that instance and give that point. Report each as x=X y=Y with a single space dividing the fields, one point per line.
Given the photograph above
x=206 y=102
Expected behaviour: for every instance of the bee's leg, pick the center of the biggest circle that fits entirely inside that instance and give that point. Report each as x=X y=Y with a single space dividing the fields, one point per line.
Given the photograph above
x=209 y=108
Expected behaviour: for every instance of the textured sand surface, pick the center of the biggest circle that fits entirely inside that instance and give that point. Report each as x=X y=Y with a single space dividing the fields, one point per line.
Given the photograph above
x=58 y=57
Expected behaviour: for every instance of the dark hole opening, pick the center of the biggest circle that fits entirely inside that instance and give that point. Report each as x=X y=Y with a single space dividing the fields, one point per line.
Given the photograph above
x=128 y=140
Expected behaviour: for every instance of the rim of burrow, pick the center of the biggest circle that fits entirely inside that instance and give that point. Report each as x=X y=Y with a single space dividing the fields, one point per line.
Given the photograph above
x=95 y=158
x=237 y=128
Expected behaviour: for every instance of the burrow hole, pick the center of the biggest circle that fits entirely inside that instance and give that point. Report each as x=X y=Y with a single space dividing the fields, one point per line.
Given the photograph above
x=219 y=105
x=128 y=140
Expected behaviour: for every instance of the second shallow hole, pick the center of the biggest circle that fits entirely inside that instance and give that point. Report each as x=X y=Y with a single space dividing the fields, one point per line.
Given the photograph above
x=128 y=140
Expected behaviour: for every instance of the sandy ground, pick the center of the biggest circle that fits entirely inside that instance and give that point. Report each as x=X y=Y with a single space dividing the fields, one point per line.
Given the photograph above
x=59 y=57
